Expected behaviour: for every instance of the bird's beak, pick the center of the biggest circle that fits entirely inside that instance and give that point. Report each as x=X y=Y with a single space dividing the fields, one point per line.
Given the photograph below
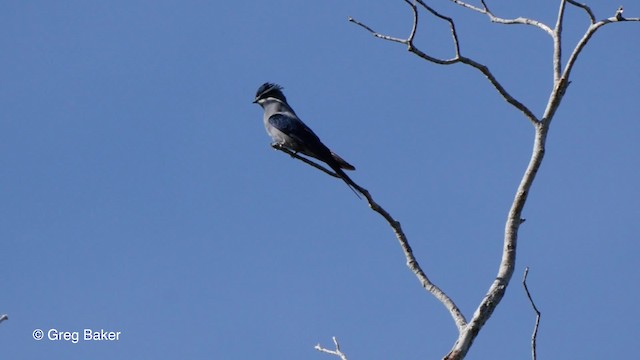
x=255 y=101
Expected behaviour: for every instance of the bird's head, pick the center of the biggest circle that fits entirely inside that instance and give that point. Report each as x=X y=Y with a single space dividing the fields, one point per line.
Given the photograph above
x=269 y=91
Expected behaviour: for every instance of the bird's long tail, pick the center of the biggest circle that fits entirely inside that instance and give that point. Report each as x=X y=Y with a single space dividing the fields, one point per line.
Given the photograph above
x=352 y=185
x=342 y=162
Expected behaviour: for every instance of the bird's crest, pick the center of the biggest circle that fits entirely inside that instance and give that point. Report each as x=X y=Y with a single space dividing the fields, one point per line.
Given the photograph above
x=270 y=90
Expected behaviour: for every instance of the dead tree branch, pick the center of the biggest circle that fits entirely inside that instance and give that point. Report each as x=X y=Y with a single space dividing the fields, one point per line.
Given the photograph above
x=336 y=352
x=517 y=21
x=585 y=8
x=468 y=331
x=414 y=266
x=304 y=159
x=412 y=262
x=534 y=336
x=458 y=58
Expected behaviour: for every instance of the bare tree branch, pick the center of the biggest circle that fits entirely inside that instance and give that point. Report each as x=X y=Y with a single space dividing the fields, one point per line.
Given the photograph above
x=336 y=352
x=617 y=17
x=452 y=25
x=518 y=21
x=376 y=34
x=412 y=263
x=557 y=43
x=457 y=59
x=414 y=266
x=507 y=263
x=585 y=8
x=503 y=92
x=278 y=146
x=468 y=331
x=354 y=187
x=534 y=336
x=468 y=61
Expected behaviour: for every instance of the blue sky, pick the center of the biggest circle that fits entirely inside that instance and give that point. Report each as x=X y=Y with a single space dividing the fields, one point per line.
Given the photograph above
x=139 y=193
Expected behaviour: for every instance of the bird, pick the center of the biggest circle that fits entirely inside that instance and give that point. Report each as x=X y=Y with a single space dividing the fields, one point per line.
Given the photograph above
x=287 y=130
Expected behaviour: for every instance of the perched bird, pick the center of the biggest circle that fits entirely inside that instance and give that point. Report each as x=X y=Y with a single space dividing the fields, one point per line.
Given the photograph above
x=287 y=130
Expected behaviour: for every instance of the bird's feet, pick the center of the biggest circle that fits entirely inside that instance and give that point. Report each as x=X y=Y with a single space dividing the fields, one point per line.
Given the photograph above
x=283 y=147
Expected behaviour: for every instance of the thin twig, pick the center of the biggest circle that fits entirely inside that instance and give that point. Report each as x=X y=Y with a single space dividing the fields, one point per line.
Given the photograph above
x=501 y=90
x=452 y=25
x=414 y=28
x=403 y=41
x=517 y=21
x=557 y=43
x=585 y=8
x=376 y=34
x=534 y=336
x=336 y=352
x=352 y=185
x=304 y=159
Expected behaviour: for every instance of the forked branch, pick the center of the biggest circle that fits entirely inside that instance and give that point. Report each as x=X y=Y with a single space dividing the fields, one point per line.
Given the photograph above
x=337 y=352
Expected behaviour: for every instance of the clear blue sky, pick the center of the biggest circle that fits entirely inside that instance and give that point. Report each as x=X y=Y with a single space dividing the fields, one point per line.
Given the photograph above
x=139 y=194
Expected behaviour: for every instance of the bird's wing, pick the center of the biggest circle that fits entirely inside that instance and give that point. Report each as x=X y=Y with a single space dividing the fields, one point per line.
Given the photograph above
x=312 y=146
x=297 y=130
